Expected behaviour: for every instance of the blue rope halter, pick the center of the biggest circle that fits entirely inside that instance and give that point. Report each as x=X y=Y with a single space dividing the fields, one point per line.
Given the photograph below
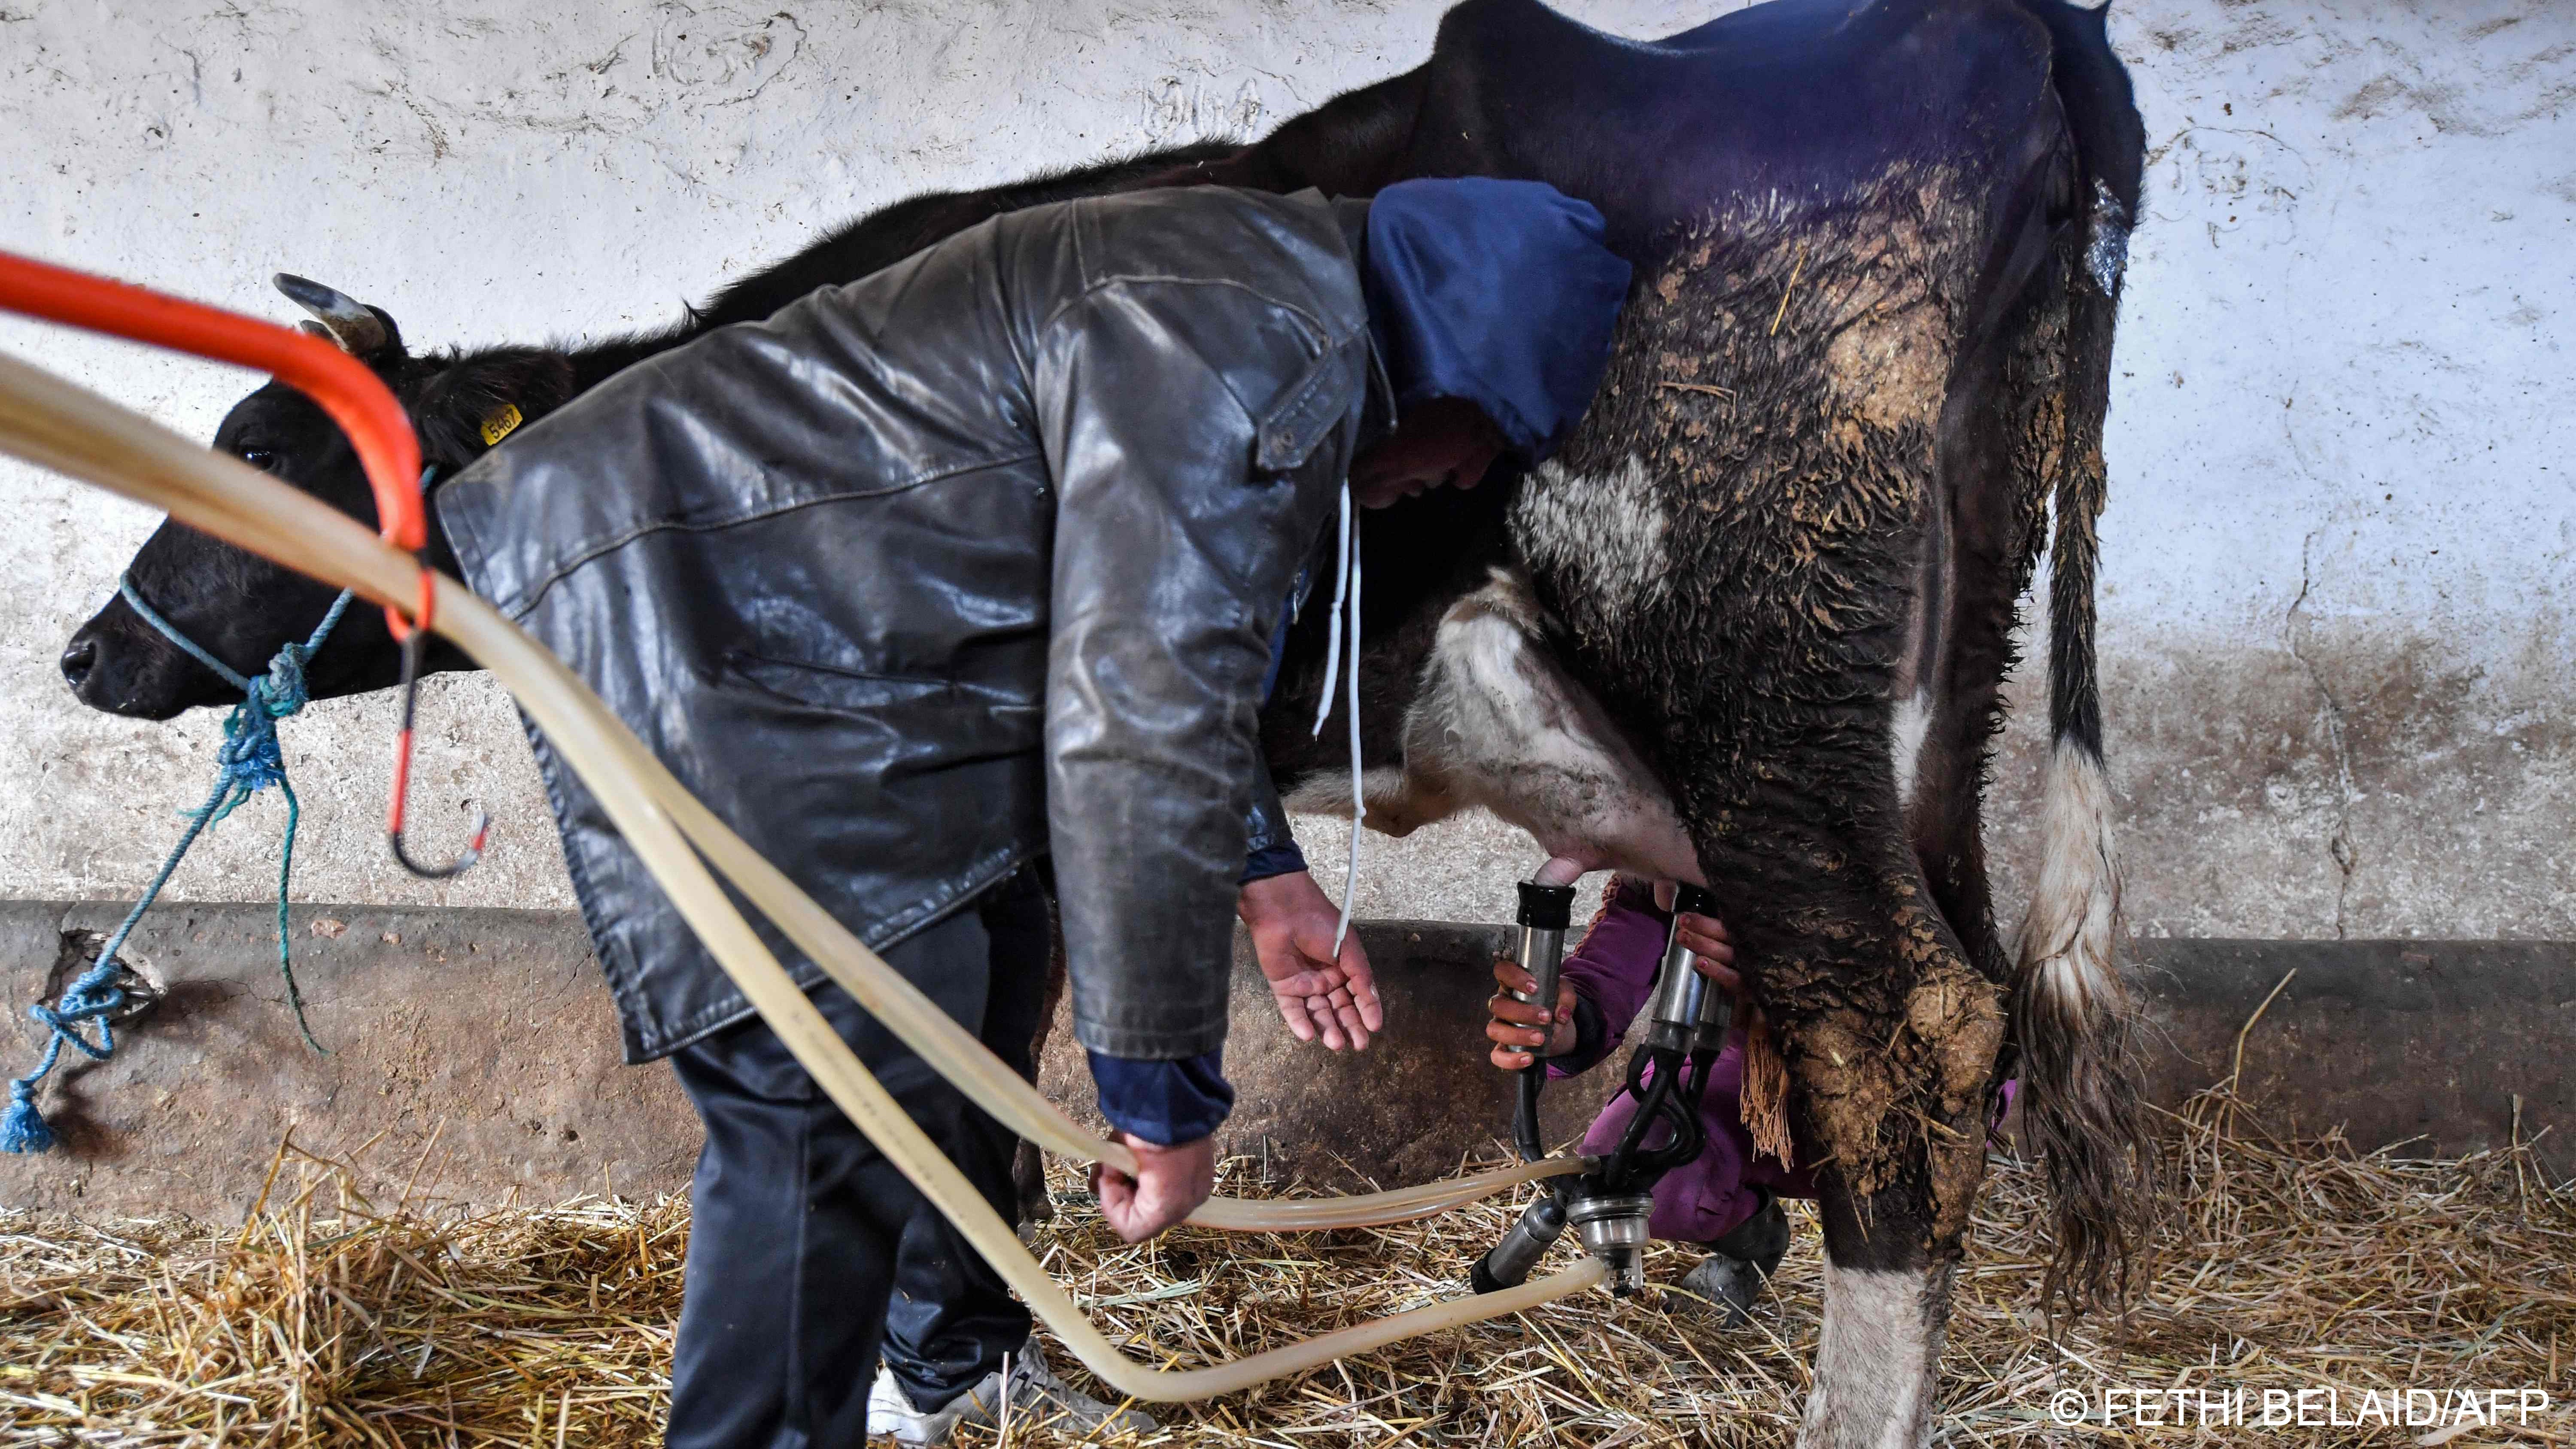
x=249 y=762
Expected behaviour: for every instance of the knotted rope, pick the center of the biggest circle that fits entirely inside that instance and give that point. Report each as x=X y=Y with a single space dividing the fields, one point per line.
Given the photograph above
x=249 y=762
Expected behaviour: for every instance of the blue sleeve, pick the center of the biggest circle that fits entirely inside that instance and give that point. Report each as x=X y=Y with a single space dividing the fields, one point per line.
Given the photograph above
x=1163 y=1102
x=1265 y=861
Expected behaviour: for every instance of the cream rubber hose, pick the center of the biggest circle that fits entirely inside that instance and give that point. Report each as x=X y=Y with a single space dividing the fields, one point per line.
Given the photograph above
x=71 y=430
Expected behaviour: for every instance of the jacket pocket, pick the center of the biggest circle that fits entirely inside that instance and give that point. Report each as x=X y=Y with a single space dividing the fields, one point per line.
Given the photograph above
x=1305 y=411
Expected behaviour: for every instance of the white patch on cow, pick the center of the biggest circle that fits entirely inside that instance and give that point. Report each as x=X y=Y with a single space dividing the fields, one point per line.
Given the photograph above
x=1497 y=722
x=1605 y=532
x=2065 y=947
x=2108 y=256
x=1398 y=804
x=1876 y=1358
x=1905 y=743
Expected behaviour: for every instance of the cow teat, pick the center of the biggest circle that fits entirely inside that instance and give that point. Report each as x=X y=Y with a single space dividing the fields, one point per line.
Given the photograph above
x=360 y=330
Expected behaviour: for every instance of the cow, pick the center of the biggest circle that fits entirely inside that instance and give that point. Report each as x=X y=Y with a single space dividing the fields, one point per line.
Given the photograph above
x=1750 y=627
x=1880 y=249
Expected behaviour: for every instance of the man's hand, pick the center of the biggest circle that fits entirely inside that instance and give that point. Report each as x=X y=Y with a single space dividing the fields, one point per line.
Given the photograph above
x=1319 y=994
x=1518 y=1026
x=1169 y=1185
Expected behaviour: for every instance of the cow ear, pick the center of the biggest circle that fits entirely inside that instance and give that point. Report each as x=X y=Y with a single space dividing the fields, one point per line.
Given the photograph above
x=462 y=409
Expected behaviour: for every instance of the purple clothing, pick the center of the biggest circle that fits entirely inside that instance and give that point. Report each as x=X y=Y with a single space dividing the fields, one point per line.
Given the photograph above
x=1708 y=1197
x=1613 y=972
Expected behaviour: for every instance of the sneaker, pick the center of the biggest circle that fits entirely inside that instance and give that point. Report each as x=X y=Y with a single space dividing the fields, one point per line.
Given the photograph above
x=1034 y=1396
x=1741 y=1262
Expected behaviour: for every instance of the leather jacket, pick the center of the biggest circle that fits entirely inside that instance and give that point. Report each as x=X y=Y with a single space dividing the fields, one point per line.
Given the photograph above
x=973 y=560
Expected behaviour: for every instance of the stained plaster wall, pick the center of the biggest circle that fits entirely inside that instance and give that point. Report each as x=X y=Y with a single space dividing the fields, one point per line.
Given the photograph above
x=2336 y=617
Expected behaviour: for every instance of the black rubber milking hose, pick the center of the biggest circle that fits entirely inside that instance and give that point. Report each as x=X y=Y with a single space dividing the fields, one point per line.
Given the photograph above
x=1525 y=1127
x=1690 y=1134
x=1620 y=1169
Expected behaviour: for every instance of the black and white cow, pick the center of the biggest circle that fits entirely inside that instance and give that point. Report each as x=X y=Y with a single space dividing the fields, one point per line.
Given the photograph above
x=1753 y=622
x=1749 y=627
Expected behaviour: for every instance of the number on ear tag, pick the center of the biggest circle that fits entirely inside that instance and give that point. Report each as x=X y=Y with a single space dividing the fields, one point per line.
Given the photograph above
x=500 y=424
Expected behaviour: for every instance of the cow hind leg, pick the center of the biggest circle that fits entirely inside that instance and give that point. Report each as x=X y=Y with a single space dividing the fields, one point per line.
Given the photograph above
x=1028 y=1164
x=1878 y=1355
x=1890 y=1257
x=1891 y=1037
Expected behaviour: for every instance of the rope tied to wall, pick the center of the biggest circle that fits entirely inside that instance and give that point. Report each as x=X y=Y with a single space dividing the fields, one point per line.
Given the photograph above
x=250 y=760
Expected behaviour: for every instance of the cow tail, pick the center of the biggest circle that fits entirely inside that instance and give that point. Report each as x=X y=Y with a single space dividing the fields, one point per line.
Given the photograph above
x=2074 y=1017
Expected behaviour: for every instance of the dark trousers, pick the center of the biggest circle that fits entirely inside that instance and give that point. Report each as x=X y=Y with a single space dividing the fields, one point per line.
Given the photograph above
x=806 y=1245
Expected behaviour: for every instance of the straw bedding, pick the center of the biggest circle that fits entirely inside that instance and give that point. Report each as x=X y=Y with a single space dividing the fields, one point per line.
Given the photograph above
x=329 y=1320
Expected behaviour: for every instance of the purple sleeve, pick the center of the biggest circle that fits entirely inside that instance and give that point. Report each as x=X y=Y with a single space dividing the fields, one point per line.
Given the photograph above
x=1614 y=969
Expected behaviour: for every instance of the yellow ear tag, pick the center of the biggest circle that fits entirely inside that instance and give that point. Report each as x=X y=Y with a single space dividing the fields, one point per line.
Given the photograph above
x=500 y=424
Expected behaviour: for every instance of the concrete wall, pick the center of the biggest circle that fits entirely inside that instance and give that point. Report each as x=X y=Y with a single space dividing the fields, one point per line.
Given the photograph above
x=2337 y=611
x=2336 y=617
x=472 y=1062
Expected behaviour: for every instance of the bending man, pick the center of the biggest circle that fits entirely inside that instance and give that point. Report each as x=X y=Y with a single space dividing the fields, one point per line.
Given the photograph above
x=965 y=572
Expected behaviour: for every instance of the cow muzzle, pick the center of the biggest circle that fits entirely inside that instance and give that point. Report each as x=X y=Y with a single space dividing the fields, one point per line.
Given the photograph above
x=117 y=664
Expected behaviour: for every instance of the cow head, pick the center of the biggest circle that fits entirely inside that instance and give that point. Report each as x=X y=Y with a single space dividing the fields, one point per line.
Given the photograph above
x=242 y=608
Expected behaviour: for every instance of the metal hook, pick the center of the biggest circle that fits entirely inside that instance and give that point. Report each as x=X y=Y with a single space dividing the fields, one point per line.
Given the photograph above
x=411 y=649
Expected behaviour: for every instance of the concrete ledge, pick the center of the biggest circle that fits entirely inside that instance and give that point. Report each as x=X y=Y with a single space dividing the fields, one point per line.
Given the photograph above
x=2418 y=1042
x=478 y=1045
x=2421 y=1043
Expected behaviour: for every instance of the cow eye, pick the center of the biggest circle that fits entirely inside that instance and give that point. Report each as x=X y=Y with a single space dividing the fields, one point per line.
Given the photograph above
x=260 y=458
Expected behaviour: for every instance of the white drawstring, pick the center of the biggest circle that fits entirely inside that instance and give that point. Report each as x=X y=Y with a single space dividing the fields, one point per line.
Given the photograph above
x=1333 y=620
x=1346 y=593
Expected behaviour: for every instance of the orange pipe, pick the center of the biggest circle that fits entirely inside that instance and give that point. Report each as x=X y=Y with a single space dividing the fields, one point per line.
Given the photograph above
x=352 y=394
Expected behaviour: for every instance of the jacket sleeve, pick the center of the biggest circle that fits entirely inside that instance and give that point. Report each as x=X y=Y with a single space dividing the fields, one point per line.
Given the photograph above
x=1172 y=559
x=1613 y=972
x=1269 y=846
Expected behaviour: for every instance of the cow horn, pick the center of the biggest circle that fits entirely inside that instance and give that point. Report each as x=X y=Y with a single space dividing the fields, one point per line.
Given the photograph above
x=344 y=319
